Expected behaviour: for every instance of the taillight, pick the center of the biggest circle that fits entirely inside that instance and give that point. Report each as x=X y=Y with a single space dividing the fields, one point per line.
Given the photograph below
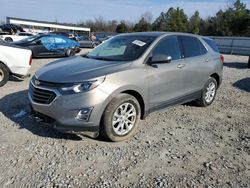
x=30 y=62
x=222 y=58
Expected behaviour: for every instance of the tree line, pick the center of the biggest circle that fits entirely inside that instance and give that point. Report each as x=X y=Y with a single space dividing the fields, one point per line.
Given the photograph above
x=234 y=21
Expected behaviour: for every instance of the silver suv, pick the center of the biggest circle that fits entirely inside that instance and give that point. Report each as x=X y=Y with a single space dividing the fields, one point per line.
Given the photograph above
x=113 y=87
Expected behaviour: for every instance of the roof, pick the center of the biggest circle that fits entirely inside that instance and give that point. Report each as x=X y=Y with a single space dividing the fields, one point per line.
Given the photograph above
x=158 y=34
x=46 y=24
x=152 y=34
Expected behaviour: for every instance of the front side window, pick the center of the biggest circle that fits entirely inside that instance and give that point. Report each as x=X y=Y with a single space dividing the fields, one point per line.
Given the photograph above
x=168 y=46
x=122 y=48
x=192 y=46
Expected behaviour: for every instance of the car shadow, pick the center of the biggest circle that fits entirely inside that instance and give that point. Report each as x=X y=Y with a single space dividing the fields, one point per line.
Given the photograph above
x=237 y=65
x=15 y=107
x=15 y=79
x=243 y=84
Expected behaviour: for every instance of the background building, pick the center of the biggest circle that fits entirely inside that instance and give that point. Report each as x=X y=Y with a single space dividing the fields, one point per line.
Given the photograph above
x=43 y=26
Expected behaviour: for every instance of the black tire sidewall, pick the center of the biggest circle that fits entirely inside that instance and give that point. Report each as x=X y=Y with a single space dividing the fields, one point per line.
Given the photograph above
x=108 y=116
x=6 y=74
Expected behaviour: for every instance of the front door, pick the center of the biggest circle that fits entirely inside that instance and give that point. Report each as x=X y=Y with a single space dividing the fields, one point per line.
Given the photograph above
x=166 y=80
x=45 y=46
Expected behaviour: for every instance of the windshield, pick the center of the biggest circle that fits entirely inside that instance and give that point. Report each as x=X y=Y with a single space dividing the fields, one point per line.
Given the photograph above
x=29 y=39
x=122 y=48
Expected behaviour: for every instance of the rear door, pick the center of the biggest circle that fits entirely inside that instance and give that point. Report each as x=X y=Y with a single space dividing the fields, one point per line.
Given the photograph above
x=196 y=68
x=166 y=80
x=61 y=45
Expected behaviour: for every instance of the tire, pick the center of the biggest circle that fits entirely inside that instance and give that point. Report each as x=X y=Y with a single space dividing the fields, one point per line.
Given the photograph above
x=69 y=52
x=209 y=93
x=126 y=127
x=248 y=64
x=8 y=39
x=94 y=45
x=4 y=74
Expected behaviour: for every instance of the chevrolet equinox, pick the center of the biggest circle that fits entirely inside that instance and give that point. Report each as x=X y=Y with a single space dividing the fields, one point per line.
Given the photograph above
x=110 y=89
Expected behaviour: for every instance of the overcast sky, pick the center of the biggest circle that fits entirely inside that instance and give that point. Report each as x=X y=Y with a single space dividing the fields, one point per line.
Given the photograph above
x=75 y=11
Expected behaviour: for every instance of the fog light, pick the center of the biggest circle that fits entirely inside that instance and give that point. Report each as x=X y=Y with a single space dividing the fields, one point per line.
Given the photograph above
x=84 y=114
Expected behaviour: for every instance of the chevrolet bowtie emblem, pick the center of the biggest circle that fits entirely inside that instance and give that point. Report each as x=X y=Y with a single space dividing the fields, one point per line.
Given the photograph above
x=37 y=82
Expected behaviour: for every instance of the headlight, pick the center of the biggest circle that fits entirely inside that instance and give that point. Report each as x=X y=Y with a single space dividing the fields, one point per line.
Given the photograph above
x=81 y=87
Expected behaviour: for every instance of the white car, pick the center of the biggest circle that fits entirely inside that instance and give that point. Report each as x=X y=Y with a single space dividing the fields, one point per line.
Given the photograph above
x=14 y=60
x=16 y=37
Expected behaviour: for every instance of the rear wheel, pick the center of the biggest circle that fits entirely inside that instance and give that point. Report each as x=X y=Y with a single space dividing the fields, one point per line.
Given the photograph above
x=4 y=74
x=8 y=39
x=209 y=93
x=70 y=52
x=121 y=118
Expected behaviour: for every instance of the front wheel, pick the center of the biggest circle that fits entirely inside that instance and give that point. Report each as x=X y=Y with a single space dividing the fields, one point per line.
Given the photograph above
x=121 y=118
x=8 y=39
x=4 y=75
x=209 y=93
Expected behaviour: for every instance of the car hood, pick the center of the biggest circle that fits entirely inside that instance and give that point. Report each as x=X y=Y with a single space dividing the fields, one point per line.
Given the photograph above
x=78 y=69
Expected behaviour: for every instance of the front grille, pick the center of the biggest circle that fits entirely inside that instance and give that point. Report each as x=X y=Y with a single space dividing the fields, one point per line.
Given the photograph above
x=41 y=96
x=46 y=84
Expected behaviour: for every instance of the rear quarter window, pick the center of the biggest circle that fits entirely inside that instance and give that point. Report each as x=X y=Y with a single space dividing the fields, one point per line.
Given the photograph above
x=192 y=46
x=212 y=44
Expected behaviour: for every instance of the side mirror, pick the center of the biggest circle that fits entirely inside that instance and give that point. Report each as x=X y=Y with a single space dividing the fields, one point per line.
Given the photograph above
x=160 y=58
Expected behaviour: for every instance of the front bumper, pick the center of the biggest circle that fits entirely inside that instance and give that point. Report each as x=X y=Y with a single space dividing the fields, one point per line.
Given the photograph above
x=61 y=113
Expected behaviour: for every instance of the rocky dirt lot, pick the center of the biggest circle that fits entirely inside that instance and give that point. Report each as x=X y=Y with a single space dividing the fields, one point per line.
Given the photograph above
x=185 y=146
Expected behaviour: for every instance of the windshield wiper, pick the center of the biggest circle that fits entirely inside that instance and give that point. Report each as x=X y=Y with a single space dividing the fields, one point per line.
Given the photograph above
x=102 y=58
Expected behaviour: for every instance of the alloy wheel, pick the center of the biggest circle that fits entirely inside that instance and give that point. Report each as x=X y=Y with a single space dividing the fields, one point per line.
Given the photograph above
x=124 y=118
x=210 y=92
x=1 y=75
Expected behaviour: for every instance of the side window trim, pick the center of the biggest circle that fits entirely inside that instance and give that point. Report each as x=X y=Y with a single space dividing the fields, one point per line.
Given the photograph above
x=180 y=48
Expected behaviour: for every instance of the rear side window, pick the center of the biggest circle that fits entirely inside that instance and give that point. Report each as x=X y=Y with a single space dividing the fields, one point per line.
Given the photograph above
x=25 y=34
x=47 y=40
x=59 y=40
x=168 y=46
x=192 y=46
x=212 y=44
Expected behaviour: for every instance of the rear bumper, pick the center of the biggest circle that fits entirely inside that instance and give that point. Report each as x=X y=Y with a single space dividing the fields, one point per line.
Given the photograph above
x=20 y=71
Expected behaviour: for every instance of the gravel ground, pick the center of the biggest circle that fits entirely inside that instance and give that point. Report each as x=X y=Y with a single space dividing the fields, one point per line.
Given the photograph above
x=184 y=146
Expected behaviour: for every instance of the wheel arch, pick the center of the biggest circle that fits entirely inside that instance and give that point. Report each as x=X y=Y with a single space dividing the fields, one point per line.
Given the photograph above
x=216 y=77
x=139 y=98
x=1 y=62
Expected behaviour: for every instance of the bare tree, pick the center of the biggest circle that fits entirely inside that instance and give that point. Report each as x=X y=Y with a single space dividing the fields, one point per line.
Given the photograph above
x=147 y=16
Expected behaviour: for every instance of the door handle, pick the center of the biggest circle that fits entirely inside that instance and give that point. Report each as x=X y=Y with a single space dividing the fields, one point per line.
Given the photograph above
x=180 y=66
